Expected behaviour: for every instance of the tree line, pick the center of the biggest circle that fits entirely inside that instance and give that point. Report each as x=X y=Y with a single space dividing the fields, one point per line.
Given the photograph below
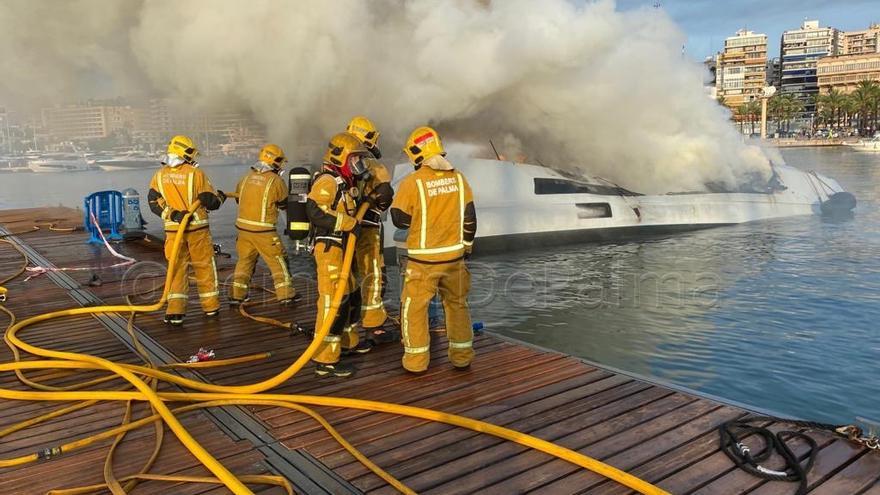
x=835 y=110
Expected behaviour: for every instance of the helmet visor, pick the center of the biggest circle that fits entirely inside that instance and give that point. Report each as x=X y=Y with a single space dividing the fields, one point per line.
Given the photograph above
x=357 y=165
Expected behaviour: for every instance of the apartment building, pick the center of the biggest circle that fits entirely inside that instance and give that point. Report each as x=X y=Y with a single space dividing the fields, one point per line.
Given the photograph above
x=800 y=52
x=741 y=72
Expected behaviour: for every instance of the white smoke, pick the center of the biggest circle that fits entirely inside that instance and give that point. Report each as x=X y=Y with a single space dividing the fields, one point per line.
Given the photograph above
x=576 y=86
x=63 y=51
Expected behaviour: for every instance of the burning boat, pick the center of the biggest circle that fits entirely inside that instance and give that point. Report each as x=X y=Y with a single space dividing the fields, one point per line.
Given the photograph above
x=519 y=205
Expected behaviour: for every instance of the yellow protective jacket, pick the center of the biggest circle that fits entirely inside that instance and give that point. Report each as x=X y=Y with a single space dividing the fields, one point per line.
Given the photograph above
x=377 y=187
x=260 y=195
x=331 y=207
x=174 y=189
x=437 y=206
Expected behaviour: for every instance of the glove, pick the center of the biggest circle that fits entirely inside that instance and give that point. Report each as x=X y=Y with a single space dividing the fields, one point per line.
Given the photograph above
x=467 y=252
x=356 y=231
x=221 y=195
x=177 y=216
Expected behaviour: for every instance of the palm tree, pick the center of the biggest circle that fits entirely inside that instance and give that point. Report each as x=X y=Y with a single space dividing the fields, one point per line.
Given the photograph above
x=849 y=108
x=792 y=107
x=775 y=110
x=830 y=107
x=866 y=98
x=742 y=113
x=753 y=109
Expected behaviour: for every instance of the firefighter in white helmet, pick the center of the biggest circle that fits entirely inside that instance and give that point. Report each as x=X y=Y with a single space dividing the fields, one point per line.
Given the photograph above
x=436 y=204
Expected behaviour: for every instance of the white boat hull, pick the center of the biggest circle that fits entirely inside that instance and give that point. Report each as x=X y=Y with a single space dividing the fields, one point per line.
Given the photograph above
x=54 y=167
x=865 y=148
x=122 y=166
x=866 y=145
x=511 y=212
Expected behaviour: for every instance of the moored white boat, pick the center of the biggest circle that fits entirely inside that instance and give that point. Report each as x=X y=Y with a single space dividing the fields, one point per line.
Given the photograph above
x=58 y=162
x=127 y=161
x=868 y=145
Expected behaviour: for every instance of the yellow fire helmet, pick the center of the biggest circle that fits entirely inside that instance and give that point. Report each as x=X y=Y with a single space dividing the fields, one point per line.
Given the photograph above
x=273 y=156
x=342 y=145
x=181 y=149
x=365 y=130
x=422 y=144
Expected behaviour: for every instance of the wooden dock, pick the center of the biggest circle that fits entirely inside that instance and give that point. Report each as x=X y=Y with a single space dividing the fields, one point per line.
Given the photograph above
x=665 y=436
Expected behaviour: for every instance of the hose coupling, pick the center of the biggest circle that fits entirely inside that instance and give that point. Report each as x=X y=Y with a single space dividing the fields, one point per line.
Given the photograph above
x=48 y=453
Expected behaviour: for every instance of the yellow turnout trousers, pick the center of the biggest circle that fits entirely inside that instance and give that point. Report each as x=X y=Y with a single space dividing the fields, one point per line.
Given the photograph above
x=328 y=261
x=423 y=280
x=370 y=264
x=196 y=250
x=266 y=245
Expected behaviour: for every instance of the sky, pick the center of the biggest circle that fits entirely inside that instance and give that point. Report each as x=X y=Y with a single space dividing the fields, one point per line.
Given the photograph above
x=708 y=22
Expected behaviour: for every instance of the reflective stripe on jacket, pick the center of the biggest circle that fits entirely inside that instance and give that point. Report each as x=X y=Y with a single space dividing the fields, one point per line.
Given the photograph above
x=438 y=205
x=330 y=207
x=179 y=187
x=258 y=195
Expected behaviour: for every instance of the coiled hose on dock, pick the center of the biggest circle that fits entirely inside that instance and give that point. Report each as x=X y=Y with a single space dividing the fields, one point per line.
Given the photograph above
x=143 y=382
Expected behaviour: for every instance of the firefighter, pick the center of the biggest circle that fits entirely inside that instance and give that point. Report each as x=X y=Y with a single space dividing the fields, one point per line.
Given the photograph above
x=436 y=204
x=173 y=190
x=260 y=194
x=375 y=187
x=331 y=208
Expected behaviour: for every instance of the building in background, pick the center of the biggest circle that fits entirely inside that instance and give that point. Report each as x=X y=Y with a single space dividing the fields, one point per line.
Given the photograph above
x=741 y=72
x=800 y=51
x=88 y=121
x=843 y=72
x=709 y=83
x=159 y=119
x=859 y=42
x=774 y=72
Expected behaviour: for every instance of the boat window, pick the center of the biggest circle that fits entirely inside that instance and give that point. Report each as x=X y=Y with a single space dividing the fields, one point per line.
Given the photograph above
x=544 y=185
x=593 y=210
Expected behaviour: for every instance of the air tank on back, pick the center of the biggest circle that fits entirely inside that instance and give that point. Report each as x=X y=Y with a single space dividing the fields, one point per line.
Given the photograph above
x=299 y=183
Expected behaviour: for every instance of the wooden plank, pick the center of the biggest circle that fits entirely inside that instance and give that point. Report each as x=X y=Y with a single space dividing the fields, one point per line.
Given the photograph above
x=627 y=433
x=665 y=452
x=453 y=445
x=469 y=473
x=413 y=435
x=829 y=461
x=739 y=481
x=858 y=476
x=873 y=489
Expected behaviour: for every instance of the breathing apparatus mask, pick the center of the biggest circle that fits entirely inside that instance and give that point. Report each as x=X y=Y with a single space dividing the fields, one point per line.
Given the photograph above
x=172 y=160
x=357 y=166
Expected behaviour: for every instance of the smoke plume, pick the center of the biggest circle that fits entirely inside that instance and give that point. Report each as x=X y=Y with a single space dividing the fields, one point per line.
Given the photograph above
x=578 y=86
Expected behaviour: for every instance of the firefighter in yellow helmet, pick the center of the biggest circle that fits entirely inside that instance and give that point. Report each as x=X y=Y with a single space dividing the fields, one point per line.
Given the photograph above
x=436 y=204
x=375 y=187
x=260 y=194
x=331 y=207
x=173 y=190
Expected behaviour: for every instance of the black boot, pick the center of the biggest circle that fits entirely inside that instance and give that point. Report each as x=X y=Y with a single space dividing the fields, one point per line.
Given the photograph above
x=337 y=369
x=173 y=320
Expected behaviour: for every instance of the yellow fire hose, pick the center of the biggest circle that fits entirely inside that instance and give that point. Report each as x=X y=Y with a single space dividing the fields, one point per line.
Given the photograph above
x=145 y=378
